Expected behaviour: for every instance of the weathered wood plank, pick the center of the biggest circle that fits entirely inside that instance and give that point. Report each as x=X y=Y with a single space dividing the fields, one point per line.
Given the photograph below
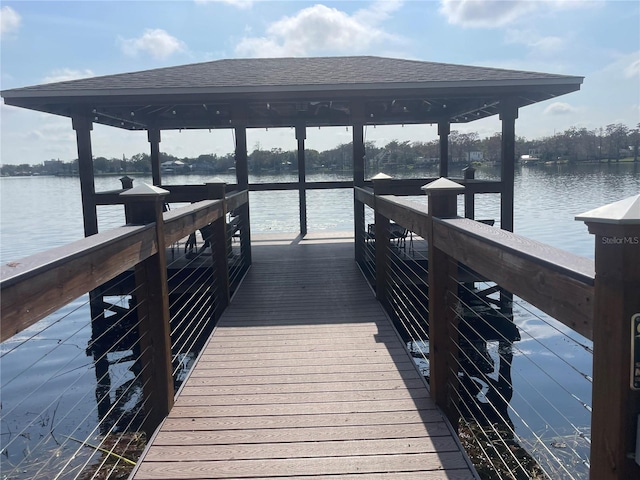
x=287 y=436
x=182 y=222
x=303 y=449
x=407 y=213
x=236 y=199
x=307 y=387
x=230 y=377
x=34 y=287
x=449 y=474
x=203 y=396
x=557 y=282
x=407 y=422
x=388 y=464
x=302 y=370
x=305 y=408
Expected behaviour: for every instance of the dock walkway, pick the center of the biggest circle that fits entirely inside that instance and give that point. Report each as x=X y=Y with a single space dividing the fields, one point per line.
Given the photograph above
x=304 y=378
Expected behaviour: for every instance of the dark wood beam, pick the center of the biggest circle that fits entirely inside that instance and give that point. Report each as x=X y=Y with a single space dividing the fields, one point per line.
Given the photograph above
x=301 y=135
x=242 y=160
x=153 y=135
x=508 y=116
x=444 y=128
x=83 y=126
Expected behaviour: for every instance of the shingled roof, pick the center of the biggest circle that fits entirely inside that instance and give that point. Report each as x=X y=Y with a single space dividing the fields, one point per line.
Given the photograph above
x=285 y=91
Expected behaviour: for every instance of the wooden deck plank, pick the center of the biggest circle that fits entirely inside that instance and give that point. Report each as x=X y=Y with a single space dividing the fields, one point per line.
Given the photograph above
x=279 y=467
x=302 y=449
x=304 y=377
x=402 y=420
x=301 y=434
x=307 y=387
x=308 y=408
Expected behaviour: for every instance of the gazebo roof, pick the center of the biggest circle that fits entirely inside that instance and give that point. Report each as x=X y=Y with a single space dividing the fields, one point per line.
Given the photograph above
x=290 y=91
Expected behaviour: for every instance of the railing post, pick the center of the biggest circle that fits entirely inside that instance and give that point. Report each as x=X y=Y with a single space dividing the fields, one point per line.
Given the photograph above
x=469 y=173
x=442 y=284
x=359 y=229
x=144 y=205
x=616 y=400
x=216 y=189
x=382 y=245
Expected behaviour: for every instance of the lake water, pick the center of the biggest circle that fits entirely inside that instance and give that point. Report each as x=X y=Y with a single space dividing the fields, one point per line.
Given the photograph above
x=38 y=213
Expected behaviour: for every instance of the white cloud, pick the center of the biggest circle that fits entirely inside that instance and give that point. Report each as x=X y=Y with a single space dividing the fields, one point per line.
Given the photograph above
x=321 y=28
x=64 y=74
x=156 y=42
x=484 y=13
x=532 y=39
x=559 y=108
x=633 y=69
x=9 y=21
x=236 y=3
x=498 y=13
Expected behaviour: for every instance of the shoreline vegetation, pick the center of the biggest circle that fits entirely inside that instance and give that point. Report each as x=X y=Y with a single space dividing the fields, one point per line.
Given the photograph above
x=611 y=144
x=346 y=170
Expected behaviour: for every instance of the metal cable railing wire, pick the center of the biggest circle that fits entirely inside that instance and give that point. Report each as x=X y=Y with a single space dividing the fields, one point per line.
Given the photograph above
x=587 y=348
x=491 y=423
x=134 y=419
x=70 y=412
x=502 y=399
x=90 y=435
x=402 y=302
x=582 y=403
x=60 y=369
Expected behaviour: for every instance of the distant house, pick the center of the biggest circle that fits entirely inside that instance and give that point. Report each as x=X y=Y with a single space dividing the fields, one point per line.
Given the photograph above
x=476 y=156
x=173 y=166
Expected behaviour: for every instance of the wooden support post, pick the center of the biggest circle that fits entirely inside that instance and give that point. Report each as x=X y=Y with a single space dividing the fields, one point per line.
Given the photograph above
x=153 y=135
x=242 y=158
x=383 y=242
x=359 y=229
x=145 y=206
x=358 y=154
x=443 y=290
x=444 y=129
x=216 y=189
x=508 y=116
x=358 y=181
x=83 y=127
x=616 y=404
x=242 y=177
x=469 y=173
x=301 y=135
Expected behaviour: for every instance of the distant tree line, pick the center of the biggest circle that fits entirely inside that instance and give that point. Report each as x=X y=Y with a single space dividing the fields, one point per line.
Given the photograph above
x=611 y=143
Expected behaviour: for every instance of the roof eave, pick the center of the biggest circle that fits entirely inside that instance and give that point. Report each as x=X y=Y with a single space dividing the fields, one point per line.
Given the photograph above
x=40 y=93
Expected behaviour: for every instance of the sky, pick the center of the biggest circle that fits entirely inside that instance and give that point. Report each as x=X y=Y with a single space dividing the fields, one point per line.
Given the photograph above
x=47 y=41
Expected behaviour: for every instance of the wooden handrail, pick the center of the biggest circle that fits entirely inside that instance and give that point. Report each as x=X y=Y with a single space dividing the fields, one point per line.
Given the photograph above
x=555 y=281
x=181 y=222
x=236 y=199
x=38 y=285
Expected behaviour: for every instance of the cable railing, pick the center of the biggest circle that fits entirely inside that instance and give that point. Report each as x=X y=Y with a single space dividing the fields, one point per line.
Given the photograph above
x=513 y=372
x=82 y=386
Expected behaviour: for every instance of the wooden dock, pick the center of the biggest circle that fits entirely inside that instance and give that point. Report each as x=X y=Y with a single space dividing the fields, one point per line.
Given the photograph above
x=304 y=377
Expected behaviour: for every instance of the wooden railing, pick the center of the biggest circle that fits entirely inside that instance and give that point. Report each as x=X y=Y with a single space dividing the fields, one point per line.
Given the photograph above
x=36 y=286
x=596 y=299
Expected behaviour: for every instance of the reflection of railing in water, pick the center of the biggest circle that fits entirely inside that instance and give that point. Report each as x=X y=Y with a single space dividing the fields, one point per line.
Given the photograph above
x=475 y=339
x=63 y=439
